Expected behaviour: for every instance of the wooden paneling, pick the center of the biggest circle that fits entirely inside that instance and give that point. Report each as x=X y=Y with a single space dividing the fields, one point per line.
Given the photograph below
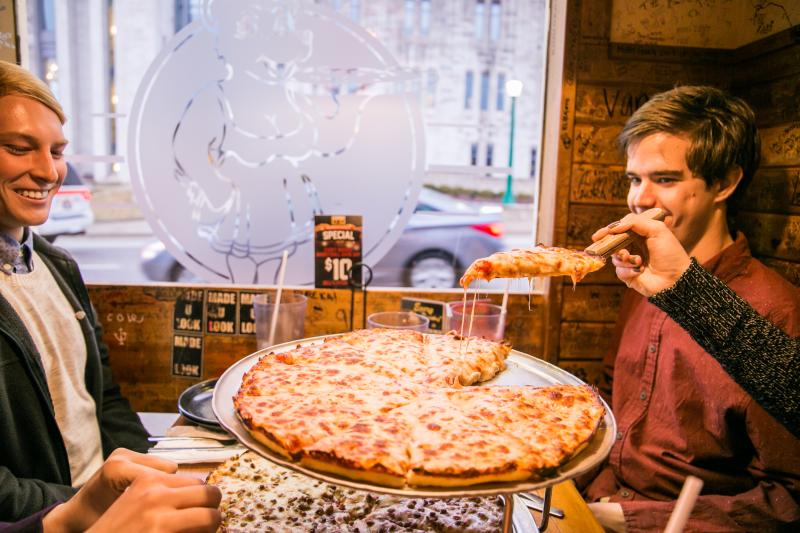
x=596 y=144
x=584 y=220
x=774 y=236
x=774 y=190
x=138 y=324
x=585 y=340
x=599 y=184
x=589 y=371
x=780 y=145
x=591 y=303
x=611 y=103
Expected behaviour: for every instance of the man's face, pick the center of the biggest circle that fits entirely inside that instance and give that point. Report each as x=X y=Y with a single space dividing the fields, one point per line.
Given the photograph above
x=32 y=165
x=659 y=177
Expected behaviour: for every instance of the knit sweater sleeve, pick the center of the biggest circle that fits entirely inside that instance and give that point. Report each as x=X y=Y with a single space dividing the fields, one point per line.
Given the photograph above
x=758 y=355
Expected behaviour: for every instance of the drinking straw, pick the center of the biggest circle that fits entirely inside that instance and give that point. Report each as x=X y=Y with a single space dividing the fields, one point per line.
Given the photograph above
x=281 y=274
x=684 y=505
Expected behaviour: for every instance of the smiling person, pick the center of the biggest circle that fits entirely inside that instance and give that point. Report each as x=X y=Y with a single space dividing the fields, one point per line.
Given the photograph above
x=61 y=411
x=692 y=151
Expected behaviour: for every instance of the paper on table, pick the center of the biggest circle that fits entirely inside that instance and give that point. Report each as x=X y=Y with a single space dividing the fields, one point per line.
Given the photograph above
x=209 y=450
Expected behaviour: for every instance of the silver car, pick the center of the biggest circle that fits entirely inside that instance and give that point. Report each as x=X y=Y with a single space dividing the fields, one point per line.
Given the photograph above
x=442 y=237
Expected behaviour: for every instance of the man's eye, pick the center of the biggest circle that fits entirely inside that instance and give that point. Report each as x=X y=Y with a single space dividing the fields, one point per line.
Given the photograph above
x=14 y=149
x=634 y=180
x=665 y=180
x=57 y=154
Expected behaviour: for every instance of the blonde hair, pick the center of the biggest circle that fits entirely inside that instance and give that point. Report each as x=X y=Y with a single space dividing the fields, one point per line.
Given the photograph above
x=16 y=81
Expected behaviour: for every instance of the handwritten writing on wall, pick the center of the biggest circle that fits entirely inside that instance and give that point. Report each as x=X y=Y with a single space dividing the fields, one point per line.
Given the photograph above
x=780 y=145
x=771 y=235
x=597 y=144
x=775 y=190
x=610 y=104
x=584 y=220
x=594 y=183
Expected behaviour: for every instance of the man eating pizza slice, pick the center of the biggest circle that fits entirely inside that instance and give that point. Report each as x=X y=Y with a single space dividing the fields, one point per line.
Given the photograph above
x=692 y=151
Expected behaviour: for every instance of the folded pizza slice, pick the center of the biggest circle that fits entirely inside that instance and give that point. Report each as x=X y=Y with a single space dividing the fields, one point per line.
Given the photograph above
x=533 y=262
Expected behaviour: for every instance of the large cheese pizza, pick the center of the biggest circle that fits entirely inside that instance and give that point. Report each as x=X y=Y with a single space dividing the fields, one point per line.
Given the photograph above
x=396 y=408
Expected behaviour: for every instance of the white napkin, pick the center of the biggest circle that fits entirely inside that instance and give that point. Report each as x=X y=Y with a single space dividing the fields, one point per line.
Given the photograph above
x=205 y=444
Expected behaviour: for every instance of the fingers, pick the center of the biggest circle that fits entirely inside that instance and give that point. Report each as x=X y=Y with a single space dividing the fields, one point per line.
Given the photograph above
x=194 y=494
x=192 y=520
x=121 y=470
x=145 y=459
x=639 y=224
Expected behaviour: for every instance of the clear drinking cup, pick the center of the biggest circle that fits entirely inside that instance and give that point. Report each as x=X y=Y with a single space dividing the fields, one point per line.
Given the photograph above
x=489 y=320
x=290 y=323
x=398 y=320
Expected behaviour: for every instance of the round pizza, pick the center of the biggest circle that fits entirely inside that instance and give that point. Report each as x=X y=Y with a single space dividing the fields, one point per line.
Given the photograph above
x=396 y=408
x=260 y=496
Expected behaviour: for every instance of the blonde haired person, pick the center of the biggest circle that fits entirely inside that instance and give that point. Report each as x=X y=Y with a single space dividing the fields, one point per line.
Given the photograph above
x=62 y=412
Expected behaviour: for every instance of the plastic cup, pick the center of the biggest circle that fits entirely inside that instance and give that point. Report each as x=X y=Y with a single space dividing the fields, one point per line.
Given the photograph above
x=398 y=320
x=291 y=318
x=489 y=320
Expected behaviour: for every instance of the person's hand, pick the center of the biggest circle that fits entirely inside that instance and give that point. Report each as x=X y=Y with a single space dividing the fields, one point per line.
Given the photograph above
x=121 y=470
x=666 y=258
x=610 y=516
x=163 y=503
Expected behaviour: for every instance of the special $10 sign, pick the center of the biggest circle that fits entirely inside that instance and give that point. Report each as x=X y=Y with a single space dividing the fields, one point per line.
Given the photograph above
x=337 y=249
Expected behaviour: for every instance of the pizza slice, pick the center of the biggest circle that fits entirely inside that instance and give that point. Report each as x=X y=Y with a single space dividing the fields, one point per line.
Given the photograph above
x=373 y=449
x=456 y=360
x=533 y=262
x=288 y=422
x=554 y=422
x=452 y=448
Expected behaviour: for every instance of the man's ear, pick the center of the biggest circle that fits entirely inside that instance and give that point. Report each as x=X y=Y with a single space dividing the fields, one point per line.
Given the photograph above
x=726 y=187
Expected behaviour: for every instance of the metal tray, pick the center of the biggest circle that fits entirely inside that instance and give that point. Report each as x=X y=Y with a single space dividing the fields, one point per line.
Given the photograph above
x=522 y=369
x=195 y=404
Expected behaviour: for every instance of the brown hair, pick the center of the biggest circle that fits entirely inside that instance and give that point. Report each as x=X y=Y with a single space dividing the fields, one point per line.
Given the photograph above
x=721 y=130
x=16 y=81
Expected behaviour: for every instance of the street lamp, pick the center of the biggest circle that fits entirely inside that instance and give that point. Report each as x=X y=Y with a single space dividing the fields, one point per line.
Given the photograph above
x=513 y=89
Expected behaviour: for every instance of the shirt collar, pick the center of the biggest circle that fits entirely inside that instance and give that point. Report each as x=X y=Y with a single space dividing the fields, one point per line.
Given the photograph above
x=732 y=261
x=17 y=255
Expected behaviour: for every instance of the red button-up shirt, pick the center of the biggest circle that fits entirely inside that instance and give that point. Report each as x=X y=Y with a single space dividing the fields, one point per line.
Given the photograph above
x=679 y=413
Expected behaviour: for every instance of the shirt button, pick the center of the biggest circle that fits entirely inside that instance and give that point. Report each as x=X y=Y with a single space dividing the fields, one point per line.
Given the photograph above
x=619 y=435
x=652 y=348
x=642 y=395
x=625 y=493
x=7 y=267
x=80 y=315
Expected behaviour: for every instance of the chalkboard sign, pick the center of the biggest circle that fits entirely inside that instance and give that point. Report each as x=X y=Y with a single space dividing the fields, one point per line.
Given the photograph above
x=187 y=355
x=433 y=309
x=221 y=312
x=247 y=315
x=188 y=312
x=337 y=247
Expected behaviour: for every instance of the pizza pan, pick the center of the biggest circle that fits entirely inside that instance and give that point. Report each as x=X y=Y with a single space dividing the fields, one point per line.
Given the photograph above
x=195 y=404
x=522 y=369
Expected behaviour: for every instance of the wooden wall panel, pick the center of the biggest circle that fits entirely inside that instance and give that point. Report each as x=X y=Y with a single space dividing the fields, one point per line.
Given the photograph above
x=585 y=340
x=780 y=145
x=774 y=190
x=596 y=144
x=598 y=184
x=591 y=303
x=585 y=219
x=774 y=236
x=138 y=323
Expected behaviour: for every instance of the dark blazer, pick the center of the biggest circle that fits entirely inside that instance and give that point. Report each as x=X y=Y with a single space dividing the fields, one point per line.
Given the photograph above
x=34 y=469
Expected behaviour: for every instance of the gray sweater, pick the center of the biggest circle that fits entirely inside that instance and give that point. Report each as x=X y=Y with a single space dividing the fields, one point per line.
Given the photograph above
x=758 y=355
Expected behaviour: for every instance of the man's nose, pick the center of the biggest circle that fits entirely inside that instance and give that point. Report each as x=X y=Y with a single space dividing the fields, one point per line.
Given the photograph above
x=44 y=166
x=644 y=196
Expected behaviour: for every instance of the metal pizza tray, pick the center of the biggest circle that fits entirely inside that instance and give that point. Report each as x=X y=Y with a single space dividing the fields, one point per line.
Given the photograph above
x=522 y=369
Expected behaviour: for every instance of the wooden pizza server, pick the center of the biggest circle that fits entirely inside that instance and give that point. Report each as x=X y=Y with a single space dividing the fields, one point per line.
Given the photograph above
x=609 y=244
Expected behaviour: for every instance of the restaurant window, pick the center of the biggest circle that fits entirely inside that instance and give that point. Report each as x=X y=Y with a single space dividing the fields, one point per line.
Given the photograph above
x=494 y=21
x=118 y=41
x=501 y=92
x=425 y=17
x=468 y=82
x=409 y=11
x=484 y=90
x=480 y=16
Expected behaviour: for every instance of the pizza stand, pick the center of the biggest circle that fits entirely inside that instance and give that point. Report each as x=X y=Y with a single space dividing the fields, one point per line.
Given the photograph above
x=522 y=369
